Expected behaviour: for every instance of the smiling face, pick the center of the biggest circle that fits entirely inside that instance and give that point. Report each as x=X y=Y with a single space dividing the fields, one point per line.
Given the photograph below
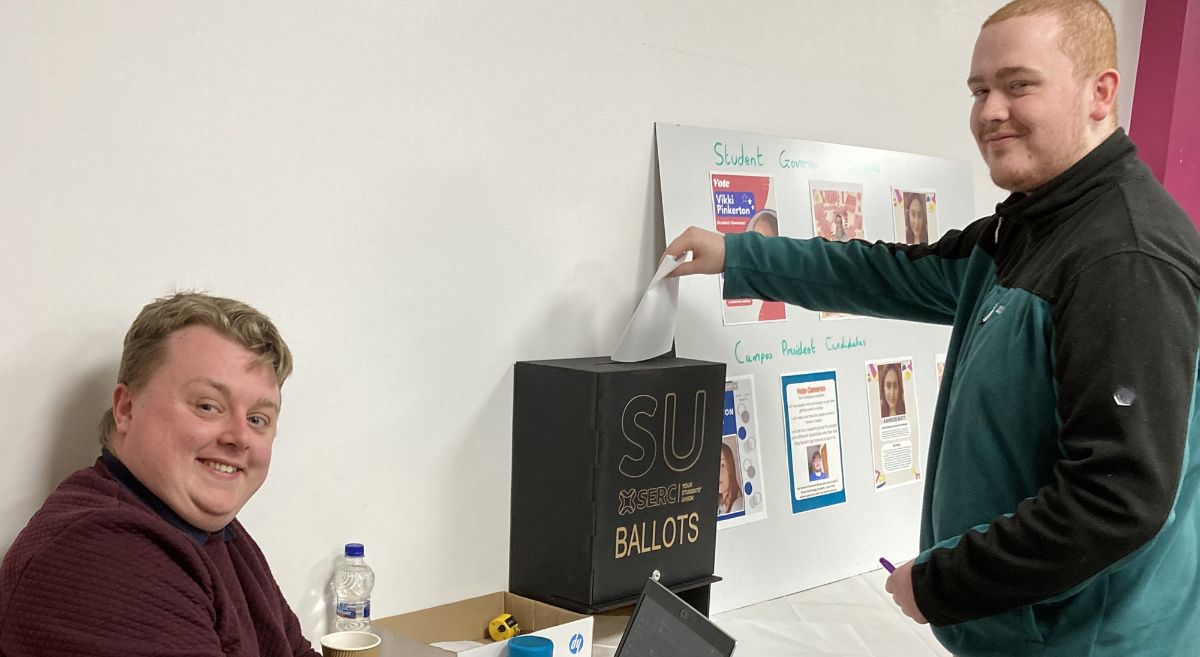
x=199 y=433
x=817 y=462
x=891 y=390
x=1031 y=116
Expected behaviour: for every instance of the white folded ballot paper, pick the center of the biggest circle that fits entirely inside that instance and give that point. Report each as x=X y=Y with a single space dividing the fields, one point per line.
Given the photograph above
x=651 y=330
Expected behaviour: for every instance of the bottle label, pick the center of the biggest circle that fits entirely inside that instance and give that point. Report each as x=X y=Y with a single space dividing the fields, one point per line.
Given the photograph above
x=354 y=610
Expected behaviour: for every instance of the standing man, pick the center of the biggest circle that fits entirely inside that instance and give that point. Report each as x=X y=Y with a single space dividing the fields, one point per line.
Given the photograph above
x=142 y=554
x=1060 y=511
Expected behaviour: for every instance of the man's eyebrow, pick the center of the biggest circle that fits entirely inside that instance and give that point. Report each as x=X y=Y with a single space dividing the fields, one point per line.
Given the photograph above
x=1006 y=72
x=224 y=390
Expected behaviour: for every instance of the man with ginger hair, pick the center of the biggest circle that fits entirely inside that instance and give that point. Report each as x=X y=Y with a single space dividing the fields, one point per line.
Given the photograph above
x=1060 y=509
x=142 y=554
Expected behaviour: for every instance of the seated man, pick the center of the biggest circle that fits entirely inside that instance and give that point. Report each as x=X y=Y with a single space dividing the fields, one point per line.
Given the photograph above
x=141 y=554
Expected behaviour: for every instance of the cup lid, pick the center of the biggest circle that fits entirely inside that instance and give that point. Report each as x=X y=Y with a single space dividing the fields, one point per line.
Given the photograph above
x=530 y=646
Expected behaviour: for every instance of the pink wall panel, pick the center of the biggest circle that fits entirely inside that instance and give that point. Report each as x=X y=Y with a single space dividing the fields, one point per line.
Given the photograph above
x=1167 y=103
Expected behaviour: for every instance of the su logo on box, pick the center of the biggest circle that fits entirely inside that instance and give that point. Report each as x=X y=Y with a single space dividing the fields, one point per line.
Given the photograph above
x=680 y=454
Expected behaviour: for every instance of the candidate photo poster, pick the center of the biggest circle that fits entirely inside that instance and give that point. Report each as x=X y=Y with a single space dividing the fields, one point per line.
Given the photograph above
x=740 y=490
x=744 y=203
x=837 y=216
x=896 y=450
x=812 y=424
x=914 y=213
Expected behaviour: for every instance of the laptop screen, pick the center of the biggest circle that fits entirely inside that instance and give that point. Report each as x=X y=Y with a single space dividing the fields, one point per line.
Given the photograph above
x=665 y=626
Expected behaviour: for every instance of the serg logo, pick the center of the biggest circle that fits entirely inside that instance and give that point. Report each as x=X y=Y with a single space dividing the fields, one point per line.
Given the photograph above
x=635 y=499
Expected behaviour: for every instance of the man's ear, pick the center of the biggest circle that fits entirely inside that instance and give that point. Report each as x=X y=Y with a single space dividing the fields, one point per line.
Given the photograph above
x=1104 y=95
x=122 y=407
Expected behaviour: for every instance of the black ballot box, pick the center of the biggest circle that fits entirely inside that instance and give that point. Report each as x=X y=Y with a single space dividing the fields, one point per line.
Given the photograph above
x=614 y=477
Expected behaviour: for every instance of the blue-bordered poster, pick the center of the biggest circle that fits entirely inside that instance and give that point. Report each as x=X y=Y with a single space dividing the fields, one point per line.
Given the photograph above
x=812 y=423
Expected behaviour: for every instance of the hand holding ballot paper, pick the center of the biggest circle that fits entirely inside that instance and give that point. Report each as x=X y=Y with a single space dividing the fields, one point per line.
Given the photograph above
x=707 y=249
x=651 y=330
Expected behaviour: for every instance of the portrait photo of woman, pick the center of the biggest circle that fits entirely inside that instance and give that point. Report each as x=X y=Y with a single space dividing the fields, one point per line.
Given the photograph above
x=916 y=218
x=914 y=214
x=729 y=484
x=891 y=390
x=840 y=232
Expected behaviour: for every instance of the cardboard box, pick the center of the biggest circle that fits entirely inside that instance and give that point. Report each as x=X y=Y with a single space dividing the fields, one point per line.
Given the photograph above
x=614 y=476
x=410 y=634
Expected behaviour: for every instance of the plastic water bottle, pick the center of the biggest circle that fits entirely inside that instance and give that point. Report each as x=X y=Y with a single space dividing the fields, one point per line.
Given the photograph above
x=352 y=591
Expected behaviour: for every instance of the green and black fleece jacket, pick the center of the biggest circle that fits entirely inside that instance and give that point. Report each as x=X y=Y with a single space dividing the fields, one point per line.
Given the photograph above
x=1060 y=511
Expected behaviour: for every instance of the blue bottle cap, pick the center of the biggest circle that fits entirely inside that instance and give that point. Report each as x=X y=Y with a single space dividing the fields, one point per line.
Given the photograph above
x=530 y=646
x=354 y=549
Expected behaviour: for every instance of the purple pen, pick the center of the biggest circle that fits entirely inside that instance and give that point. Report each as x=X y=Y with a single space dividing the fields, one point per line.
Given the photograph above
x=887 y=565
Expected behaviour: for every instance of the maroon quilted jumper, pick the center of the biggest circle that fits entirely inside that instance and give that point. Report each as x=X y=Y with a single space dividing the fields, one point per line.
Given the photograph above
x=105 y=568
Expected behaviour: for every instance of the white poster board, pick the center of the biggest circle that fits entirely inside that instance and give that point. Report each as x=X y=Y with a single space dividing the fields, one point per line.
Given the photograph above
x=729 y=182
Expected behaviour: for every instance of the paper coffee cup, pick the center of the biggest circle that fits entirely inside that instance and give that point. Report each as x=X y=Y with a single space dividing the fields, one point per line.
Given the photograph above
x=350 y=644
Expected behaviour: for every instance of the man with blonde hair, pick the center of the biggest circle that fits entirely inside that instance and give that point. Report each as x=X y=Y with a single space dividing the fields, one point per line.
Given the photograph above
x=142 y=554
x=1060 y=512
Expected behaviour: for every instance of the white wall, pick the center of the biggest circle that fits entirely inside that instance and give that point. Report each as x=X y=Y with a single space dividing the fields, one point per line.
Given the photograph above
x=419 y=193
